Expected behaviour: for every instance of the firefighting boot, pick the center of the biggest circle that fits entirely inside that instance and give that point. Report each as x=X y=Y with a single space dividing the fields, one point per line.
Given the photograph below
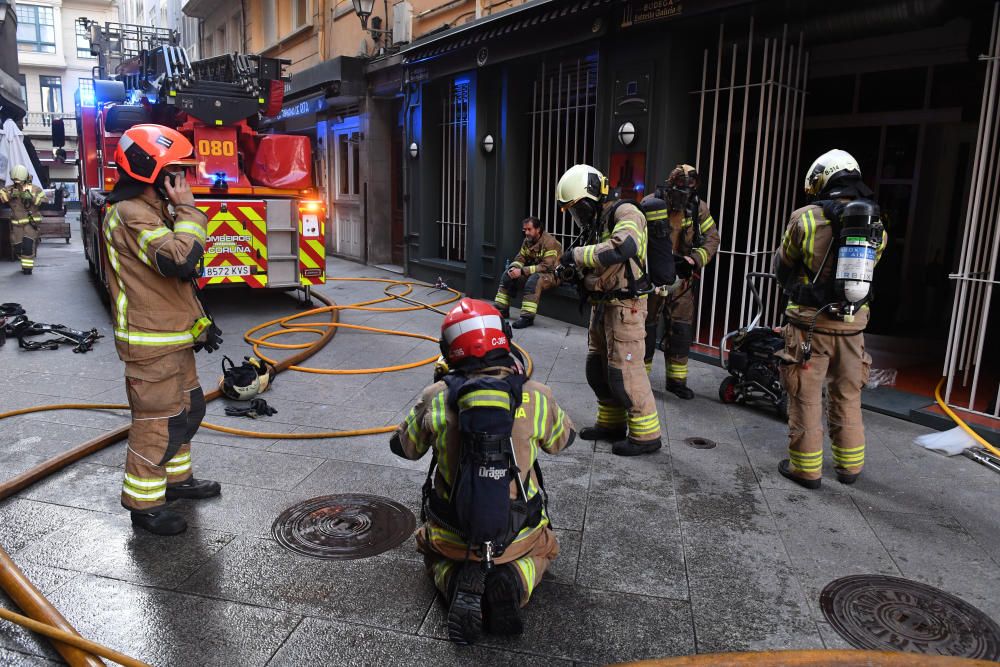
x=194 y=489
x=632 y=447
x=523 y=322
x=465 y=610
x=680 y=388
x=504 y=311
x=786 y=471
x=160 y=522
x=609 y=433
x=847 y=478
x=502 y=601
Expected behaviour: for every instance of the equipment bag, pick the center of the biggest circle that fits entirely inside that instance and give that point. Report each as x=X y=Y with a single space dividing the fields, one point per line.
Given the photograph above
x=480 y=508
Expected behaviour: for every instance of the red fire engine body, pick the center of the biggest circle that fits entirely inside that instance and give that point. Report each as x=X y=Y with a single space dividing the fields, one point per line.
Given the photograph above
x=266 y=219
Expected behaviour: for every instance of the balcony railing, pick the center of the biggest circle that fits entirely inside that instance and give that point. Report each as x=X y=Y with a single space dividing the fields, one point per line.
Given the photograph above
x=40 y=122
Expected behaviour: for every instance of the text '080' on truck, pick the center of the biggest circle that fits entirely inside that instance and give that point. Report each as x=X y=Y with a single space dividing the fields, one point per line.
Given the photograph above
x=266 y=218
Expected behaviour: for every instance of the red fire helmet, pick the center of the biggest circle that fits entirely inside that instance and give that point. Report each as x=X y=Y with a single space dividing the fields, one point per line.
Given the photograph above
x=473 y=329
x=144 y=150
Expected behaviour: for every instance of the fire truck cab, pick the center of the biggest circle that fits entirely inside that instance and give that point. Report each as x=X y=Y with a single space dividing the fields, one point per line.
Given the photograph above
x=266 y=218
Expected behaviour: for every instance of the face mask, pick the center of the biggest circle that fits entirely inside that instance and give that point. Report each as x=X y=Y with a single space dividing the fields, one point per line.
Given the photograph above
x=583 y=212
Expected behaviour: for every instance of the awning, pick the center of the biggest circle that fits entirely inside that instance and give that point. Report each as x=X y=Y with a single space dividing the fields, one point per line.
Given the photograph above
x=342 y=76
x=10 y=96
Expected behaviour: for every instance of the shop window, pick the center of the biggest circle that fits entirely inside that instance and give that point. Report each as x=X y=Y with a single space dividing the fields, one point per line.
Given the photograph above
x=893 y=90
x=900 y=156
x=454 y=182
x=36 y=29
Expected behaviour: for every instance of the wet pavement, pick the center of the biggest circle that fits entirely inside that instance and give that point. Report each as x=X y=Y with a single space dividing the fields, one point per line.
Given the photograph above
x=687 y=550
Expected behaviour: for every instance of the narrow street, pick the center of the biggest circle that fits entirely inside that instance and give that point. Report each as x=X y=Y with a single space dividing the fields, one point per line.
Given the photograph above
x=688 y=550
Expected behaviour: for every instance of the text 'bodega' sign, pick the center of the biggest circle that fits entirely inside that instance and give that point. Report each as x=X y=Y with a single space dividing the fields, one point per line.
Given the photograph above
x=645 y=11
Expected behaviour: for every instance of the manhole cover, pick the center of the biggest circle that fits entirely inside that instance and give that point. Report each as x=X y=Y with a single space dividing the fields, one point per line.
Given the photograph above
x=700 y=443
x=887 y=613
x=343 y=527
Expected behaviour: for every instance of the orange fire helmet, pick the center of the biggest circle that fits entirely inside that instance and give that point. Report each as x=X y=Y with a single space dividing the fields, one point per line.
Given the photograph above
x=144 y=150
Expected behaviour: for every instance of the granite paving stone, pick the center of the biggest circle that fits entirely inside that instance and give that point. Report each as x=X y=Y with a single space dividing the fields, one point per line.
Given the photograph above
x=84 y=485
x=18 y=640
x=169 y=628
x=583 y=624
x=24 y=522
x=250 y=467
x=384 y=591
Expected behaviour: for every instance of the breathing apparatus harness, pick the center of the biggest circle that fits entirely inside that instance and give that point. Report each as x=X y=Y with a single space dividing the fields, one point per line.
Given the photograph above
x=857 y=234
x=14 y=323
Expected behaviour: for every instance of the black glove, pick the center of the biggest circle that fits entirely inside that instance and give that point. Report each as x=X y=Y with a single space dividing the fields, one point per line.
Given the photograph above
x=258 y=407
x=567 y=258
x=683 y=267
x=212 y=339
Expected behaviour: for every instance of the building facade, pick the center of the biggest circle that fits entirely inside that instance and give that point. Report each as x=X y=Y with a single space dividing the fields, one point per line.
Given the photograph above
x=54 y=58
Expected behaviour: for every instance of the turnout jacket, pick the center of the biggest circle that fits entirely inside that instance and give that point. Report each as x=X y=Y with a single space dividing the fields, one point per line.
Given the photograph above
x=538 y=257
x=807 y=239
x=539 y=423
x=682 y=236
x=23 y=201
x=150 y=262
x=622 y=248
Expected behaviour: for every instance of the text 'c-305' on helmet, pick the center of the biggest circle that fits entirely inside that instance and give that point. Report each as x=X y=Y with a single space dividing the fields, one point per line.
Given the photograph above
x=581 y=191
x=828 y=167
x=145 y=150
x=473 y=329
x=19 y=174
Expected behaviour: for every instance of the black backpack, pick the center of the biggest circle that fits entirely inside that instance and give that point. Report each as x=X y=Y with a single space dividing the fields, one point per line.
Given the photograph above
x=479 y=507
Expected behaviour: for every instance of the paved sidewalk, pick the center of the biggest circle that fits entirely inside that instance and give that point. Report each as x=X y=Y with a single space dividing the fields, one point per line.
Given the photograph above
x=684 y=551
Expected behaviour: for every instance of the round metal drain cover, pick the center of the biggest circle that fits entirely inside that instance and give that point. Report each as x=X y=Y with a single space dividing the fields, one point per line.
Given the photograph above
x=344 y=527
x=891 y=614
x=700 y=443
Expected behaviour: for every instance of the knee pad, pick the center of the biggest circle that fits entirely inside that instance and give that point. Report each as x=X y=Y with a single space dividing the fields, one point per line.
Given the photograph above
x=597 y=378
x=616 y=381
x=506 y=281
x=27 y=246
x=532 y=283
x=650 y=341
x=177 y=427
x=195 y=413
x=681 y=335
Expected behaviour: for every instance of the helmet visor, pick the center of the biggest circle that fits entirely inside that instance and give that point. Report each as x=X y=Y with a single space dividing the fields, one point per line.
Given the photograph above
x=583 y=211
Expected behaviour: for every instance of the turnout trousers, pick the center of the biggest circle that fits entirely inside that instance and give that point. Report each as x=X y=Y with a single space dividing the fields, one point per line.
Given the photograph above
x=530 y=566
x=24 y=241
x=841 y=360
x=615 y=369
x=167 y=408
x=532 y=287
x=678 y=315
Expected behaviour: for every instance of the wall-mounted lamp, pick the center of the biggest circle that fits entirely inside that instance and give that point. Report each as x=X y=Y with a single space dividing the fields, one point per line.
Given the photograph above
x=414 y=150
x=626 y=133
x=363 y=8
x=488 y=143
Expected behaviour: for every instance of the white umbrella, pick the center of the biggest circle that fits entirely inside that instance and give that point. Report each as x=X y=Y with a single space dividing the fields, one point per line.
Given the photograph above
x=12 y=152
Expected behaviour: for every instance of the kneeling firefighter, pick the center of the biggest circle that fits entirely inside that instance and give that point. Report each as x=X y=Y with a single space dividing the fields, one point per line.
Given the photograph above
x=613 y=274
x=486 y=538
x=23 y=197
x=825 y=264
x=151 y=260
x=694 y=239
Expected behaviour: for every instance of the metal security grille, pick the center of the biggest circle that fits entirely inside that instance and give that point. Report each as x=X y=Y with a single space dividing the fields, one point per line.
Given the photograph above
x=563 y=123
x=751 y=104
x=972 y=366
x=454 y=167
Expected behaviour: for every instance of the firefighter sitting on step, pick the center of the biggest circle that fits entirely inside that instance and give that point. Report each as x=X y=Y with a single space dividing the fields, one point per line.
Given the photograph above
x=23 y=197
x=486 y=538
x=695 y=240
x=532 y=271
x=151 y=261
x=825 y=264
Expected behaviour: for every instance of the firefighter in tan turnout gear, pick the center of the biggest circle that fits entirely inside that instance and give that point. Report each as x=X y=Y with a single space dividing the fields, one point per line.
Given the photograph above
x=612 y=270
x=484 y=423
x=825 y=264
x=695 y=240
x=152 y=257
x=23 y=197
x=532 y=272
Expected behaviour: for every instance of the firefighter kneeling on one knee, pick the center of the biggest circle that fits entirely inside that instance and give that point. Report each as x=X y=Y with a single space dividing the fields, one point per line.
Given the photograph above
x=486 y=538
x=23 y=197
x=612 y=274
x=532 y=272
x=825 y=264
x=151 y=262
x=694 y=238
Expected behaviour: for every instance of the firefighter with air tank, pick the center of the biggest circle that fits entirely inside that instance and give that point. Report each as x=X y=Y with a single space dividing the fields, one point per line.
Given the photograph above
x=23 y=197
x=610 y=268
x=694 y=239
x=825 y=264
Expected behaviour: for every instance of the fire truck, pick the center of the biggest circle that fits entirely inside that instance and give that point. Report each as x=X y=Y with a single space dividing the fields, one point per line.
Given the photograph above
x=266 y=218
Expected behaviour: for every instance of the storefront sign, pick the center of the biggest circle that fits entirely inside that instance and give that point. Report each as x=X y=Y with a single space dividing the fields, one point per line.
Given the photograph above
x=312 y=105
x=646 y=11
